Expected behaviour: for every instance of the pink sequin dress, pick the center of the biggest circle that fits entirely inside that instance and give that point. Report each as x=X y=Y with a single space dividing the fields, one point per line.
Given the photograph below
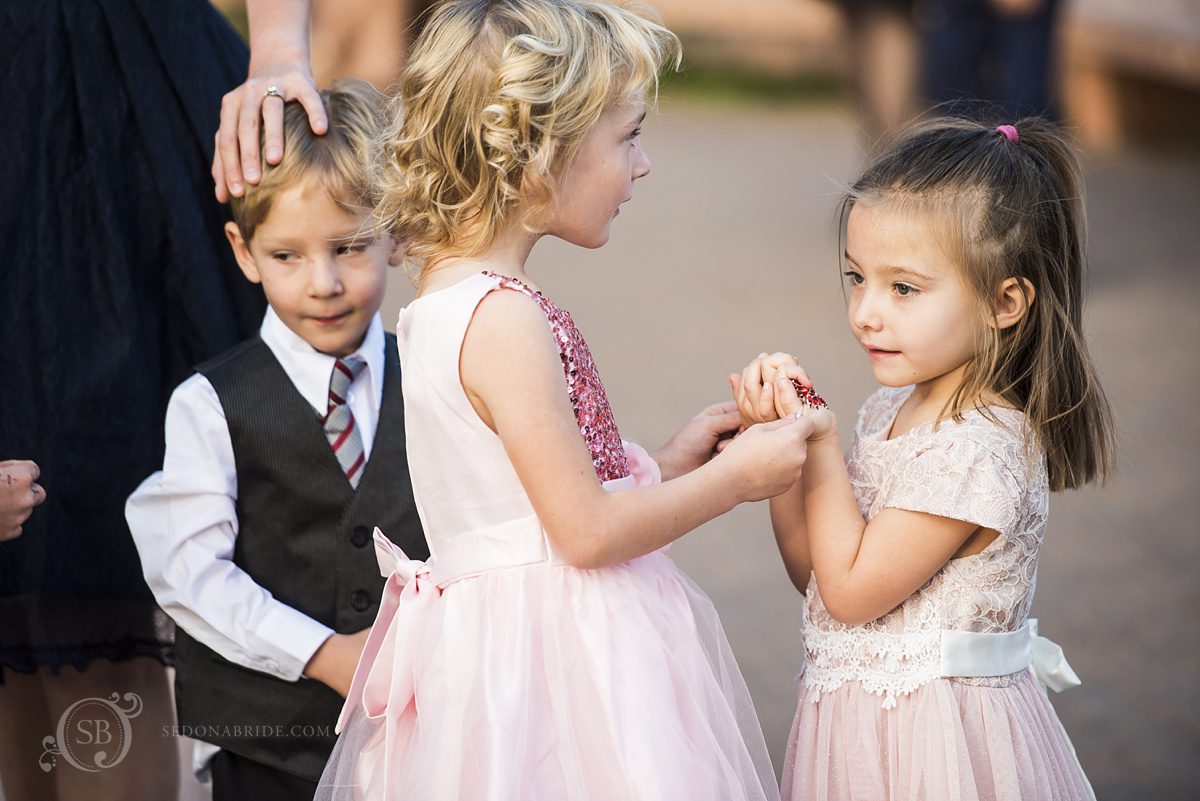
x=497 y=672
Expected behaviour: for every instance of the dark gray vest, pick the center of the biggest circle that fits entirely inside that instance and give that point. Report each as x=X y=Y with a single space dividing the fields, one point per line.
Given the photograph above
x=305 y=536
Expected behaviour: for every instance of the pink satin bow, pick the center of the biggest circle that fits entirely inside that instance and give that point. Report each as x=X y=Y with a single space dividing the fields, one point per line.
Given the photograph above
x=383 y=679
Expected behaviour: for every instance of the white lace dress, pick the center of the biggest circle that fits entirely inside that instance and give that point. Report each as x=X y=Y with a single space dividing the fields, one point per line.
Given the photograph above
x=908 y=707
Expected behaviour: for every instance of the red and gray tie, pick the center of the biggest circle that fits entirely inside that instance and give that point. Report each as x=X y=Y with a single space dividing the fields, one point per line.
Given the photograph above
x=340 y=428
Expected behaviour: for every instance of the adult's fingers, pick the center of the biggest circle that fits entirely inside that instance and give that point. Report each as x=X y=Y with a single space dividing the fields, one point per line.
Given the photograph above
x=10 y=534
x=310 y=98
x=39 y=494
x=248 y=128
x=725 y=423
x=227 y=143
x=272 y=117
x=218 y=171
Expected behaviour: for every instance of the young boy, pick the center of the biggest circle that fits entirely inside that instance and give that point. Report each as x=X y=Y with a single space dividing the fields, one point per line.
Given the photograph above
x=282 y=455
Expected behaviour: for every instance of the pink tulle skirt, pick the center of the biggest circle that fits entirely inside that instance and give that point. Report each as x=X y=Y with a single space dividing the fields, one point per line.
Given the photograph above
x=548 y=683
x=946 y=741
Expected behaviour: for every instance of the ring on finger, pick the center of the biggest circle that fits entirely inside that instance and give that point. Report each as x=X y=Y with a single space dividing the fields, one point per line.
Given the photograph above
x=273 y=91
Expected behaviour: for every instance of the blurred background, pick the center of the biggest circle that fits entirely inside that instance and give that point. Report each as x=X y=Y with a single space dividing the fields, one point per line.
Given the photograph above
x=729 y=249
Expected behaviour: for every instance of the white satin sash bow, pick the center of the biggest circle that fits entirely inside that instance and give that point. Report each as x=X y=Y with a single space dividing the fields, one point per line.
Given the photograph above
x=972 y=654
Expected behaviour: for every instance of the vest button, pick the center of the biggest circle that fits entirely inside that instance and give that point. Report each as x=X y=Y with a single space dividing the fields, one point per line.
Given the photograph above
x=360 y=536
x=360 y=600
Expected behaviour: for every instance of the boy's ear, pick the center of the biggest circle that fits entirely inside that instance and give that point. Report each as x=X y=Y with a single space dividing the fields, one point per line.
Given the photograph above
x=396 y=254
x=241 y=252
x=1012 y=302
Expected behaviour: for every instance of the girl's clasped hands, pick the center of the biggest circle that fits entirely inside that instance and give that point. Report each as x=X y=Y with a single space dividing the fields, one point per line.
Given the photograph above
x=765 y=392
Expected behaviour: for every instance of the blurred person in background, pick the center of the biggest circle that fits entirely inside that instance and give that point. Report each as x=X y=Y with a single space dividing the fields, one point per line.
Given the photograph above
x=993 y=53
x=363 y=38
x=884 y=62
x=116 y=282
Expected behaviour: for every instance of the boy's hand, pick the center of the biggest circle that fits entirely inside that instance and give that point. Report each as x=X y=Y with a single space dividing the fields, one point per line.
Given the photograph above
x=698 y=440
x=755 y=389
x=335 y=661
x=788 y=403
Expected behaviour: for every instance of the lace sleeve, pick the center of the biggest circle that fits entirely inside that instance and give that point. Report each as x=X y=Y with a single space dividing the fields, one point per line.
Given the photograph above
x=879 y=409
x=960 y=478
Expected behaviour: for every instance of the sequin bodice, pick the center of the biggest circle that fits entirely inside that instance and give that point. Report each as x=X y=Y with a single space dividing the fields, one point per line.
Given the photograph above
x=588 y=398
x=472 y=503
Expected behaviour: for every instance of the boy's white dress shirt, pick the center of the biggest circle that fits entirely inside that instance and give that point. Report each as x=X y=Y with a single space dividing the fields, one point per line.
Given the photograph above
x=184 y=522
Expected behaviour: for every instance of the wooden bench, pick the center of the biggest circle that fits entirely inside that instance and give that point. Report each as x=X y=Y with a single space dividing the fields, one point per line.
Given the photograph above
x=1131 y=71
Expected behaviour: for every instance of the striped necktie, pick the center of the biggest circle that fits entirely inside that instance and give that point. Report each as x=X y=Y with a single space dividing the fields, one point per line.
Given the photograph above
x=340 y=428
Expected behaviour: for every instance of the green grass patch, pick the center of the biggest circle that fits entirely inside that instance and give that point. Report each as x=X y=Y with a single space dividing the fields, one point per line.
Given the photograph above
x=726 y=84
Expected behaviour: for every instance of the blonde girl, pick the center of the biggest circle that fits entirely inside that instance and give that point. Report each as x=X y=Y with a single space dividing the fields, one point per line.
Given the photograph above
x=549 y=650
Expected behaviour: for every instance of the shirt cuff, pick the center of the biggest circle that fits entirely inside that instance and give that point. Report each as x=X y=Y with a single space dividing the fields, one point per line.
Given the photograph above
x=292 y=637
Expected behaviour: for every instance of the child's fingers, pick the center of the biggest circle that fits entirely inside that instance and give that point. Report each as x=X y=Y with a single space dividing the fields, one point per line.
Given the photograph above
x=797 y=372
x=725 y=422
x=745 y=411
x=723 y=443
x=772 y=364
x=735 y=381
x=782 y=422
x=752 y=384
x=766 y=403
x=739 y=393
x=787 y=402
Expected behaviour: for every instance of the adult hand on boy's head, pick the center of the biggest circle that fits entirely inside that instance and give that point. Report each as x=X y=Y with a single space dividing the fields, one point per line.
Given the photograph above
x=251 y=106
x=19 y=495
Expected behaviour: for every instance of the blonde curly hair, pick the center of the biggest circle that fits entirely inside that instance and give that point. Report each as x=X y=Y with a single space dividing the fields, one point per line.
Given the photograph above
x=495 y=100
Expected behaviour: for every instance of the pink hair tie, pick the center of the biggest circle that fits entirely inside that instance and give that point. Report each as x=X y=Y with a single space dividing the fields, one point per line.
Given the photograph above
x=1010 y=132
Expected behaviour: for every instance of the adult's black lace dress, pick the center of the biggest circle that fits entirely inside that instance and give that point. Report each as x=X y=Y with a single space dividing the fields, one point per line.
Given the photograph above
x=114 y=280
